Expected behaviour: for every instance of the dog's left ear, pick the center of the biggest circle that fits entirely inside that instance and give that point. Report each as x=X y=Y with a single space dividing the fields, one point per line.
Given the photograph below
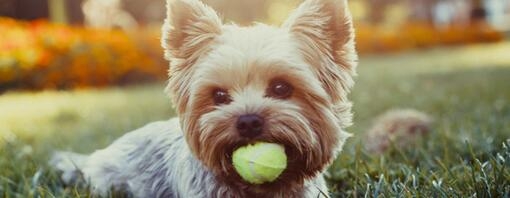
x=326 y=34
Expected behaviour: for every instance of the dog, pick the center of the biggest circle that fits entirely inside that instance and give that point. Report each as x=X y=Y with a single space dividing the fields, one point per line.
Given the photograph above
x=233 y=86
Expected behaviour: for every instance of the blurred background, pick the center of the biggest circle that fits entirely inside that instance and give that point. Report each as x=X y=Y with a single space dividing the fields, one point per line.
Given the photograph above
x=104 y=42
x=77 y=74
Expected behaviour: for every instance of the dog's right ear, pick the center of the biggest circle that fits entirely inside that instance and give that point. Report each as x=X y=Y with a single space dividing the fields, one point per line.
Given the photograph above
x=188 y=30
x=189 y=27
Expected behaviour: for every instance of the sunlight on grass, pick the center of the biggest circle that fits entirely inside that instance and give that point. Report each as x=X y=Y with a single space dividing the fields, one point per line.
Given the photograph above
x=452 y=59
x=41 y=106
x=45 y=113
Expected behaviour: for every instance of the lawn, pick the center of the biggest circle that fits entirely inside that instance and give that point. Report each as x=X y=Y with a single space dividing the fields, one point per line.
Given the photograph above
x=467 y=154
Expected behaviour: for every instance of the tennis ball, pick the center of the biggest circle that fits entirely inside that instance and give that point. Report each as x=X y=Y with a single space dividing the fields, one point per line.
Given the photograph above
x=260 y=163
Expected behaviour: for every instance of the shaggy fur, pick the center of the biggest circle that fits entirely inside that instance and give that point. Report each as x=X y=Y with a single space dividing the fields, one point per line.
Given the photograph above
x=190 y=156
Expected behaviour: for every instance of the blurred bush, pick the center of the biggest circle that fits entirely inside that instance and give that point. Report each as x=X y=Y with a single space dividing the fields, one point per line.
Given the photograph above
x=39 y=55
x=412 y=35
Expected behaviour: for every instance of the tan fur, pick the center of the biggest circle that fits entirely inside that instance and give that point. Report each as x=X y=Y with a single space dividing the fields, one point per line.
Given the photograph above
x=325 y=31
x=313 y=51
x=189 y=27
x=311 y=56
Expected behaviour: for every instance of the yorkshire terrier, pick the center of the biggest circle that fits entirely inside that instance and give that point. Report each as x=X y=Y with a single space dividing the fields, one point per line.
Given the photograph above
x=233 y=86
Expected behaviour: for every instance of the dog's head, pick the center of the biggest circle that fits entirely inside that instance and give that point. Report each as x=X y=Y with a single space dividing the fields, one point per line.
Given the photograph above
x=236 y=85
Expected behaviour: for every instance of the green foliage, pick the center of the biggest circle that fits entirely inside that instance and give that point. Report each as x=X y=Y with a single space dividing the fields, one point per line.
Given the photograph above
x=466 y=155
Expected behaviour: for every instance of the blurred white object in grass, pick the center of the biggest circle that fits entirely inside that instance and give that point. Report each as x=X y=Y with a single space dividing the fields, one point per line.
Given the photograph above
x=400 y=128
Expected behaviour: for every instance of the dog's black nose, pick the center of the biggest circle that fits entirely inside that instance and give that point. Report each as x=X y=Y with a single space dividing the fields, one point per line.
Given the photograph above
x=250 y=125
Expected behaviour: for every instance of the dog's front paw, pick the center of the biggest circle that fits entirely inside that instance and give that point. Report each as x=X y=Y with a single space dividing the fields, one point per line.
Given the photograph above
x=68 y=165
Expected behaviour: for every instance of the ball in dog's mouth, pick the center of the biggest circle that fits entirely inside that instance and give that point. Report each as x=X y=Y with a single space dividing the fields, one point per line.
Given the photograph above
x=260 y=163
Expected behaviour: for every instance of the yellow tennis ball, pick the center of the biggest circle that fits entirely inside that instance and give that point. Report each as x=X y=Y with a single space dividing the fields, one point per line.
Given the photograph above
x=260 y=163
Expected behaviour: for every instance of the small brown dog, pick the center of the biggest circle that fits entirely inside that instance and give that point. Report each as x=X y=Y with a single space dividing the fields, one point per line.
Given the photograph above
x=234 y=86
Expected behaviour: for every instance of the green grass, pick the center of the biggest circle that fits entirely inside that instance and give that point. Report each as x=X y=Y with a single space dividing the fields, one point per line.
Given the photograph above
x=466 y=90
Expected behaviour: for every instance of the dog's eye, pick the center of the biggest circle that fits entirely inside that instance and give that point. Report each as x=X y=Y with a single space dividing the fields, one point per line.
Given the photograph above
x=280 y=89
x=221 y=97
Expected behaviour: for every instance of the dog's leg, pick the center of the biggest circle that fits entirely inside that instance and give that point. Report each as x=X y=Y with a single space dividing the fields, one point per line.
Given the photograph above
x=128 y=165
x=103 y=170
x=97 y=170
x=69 y=165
